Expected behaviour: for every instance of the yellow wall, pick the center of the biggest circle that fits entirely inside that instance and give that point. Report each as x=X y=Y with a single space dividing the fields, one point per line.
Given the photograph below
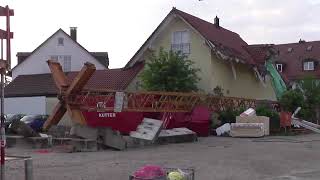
x=245 y=85
x=213 y=71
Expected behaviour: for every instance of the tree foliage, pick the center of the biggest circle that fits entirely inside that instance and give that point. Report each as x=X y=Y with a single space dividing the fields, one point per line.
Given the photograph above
x=169 y=71
x=306 y=95
x=291 y=99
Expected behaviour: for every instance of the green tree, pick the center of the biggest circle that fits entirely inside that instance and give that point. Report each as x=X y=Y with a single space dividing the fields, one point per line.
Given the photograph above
x=306 y=96
x=291 y=99
x=311 y=91
x=169 y=71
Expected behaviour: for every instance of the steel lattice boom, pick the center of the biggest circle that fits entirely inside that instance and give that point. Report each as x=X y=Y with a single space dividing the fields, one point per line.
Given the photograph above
x=75 y=99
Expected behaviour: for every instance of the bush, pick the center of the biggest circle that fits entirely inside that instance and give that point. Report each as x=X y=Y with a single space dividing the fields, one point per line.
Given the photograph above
x=215 y=122
x=229 y=115
x=291 y=99
x=272 y=114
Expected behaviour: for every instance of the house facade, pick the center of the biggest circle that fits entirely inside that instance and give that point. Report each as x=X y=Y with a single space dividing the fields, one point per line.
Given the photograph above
x=220 y=54
x=32 y=90
x=63 y=48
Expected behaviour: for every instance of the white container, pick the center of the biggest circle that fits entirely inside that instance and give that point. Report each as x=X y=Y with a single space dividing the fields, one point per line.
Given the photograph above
x=223 y=129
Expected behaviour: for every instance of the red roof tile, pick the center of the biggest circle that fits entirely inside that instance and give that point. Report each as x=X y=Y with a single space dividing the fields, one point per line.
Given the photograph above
x=293 y=60
x=43 y=84
x=229 y=42
x=259 y=52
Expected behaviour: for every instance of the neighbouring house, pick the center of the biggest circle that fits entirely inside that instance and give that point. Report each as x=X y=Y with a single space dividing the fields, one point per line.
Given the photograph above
x=296 y=61
x=61 y=47
x=223 y=57
x=37 y=93
x=31 y=89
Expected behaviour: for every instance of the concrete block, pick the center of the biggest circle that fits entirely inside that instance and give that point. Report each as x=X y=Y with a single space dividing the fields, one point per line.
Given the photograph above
x=112 y=139
x=84 y=131
x=61 y=141
x=59 y=131
x=40 y=142
x=84 y=145
x=13 y=141
x=148 y=130
x=137 y=143
x=176 y=135
x=63 y=145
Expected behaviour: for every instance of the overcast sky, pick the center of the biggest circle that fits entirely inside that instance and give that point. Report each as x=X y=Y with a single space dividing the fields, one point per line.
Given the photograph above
x=121 y=26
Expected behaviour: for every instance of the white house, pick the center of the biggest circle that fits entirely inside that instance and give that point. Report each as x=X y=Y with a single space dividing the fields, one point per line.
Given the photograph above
x=32 y=90
x=62 y=47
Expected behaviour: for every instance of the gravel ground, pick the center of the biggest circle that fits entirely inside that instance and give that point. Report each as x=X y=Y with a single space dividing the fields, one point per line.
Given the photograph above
x=214 y=158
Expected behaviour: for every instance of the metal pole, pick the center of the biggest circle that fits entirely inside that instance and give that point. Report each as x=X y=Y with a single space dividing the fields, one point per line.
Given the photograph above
x=8 y=38
x=1 y=48
x=3 y=71
x=2 y=137
x=28 y=169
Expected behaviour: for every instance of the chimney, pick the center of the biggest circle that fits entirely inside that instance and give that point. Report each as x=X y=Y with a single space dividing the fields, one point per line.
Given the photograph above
x=73 y=33
x=302 y=41
x=216 y=21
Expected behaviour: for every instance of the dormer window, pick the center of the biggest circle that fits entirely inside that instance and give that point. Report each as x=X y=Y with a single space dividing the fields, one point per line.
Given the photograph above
x=279 y=67
x=60 y=41
x=290 y=50
x=308 y=66
x=309 y=48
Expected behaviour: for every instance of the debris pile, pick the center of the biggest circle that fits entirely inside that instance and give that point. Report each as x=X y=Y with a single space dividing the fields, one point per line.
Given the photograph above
x=247 y=125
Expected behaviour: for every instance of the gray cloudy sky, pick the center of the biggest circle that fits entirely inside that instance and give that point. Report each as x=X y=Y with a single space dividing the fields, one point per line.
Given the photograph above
x=121 y=26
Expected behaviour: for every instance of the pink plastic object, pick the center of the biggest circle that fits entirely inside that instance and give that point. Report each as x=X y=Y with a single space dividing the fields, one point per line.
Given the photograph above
x=149 y=172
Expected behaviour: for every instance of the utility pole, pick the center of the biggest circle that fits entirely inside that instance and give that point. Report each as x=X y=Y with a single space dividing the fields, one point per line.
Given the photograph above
x=5 y=66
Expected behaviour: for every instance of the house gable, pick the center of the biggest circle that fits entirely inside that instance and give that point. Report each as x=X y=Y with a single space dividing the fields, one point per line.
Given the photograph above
x=237 y=77
x=36 y=63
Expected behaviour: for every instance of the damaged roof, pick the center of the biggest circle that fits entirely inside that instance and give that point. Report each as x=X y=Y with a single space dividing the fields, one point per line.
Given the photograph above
x=225 y=41
x=230 y=43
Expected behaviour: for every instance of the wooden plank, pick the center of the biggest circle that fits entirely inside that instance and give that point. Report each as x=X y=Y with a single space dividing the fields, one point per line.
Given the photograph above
x=60 y=79
x=76 y=114
x=55 y=116
x=81 y=79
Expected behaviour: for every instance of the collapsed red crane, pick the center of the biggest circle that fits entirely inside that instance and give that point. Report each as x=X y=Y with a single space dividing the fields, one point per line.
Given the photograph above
x=80 y=103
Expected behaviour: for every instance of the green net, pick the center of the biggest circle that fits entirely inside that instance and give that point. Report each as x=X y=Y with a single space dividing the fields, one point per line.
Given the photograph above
x=278 y=84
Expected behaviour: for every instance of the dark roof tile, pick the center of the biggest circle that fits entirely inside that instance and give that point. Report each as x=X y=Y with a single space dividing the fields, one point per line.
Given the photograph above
x=43 y=84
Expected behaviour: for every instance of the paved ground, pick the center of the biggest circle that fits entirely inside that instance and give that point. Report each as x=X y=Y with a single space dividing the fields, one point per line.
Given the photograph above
x=214 y=158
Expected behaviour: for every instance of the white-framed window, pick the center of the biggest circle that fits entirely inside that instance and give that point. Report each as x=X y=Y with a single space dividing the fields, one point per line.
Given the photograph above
x=279 y=67
x=60 y=41
x=66 y=63
x=181 y=41
x=54 y=58
x=64 y=60
x=308 y=66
